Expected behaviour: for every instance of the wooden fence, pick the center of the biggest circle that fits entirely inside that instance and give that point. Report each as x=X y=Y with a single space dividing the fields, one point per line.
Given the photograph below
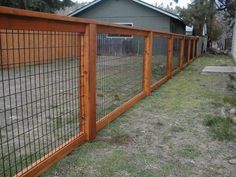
x=32 y=38
x=17 y=45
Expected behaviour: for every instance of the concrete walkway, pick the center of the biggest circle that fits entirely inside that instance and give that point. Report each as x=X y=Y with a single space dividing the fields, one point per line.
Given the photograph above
x=219 y=69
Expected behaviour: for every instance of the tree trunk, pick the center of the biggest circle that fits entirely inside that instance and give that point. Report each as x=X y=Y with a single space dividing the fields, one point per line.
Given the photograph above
x=234 y=40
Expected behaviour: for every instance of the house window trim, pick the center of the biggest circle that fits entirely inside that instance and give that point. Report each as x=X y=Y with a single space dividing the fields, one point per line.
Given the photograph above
x=121 y=37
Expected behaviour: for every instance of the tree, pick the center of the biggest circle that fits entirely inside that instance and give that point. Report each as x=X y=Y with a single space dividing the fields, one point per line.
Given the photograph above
x=37 y=5
x=70 y=9
x=215 y=30
x=229 y=7
x=197 y=14
x=203 y=11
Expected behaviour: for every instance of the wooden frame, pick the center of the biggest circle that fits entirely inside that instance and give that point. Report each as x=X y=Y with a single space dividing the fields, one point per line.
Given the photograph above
x=181 y=63
x=148 y=63
x=89 y=79
x=194 y=48
x=189 y=51
x=118 y=111
x=160 y=83
x=41 y=165
x=25 y=20
x=170 y=56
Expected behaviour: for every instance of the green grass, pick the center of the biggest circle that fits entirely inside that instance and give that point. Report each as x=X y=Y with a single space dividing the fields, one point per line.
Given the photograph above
x=163 y=135
x=230 y=100
x=221 y=128
x=188 y=151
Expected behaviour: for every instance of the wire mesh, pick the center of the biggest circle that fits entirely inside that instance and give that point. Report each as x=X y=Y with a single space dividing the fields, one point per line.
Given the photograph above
x=186 y=51
x=159 y=58
x=176 y=54
x=39 y=95
x=119 y=71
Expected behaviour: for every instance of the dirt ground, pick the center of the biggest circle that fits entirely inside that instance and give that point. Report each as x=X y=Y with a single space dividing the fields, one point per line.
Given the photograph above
x=164 y=134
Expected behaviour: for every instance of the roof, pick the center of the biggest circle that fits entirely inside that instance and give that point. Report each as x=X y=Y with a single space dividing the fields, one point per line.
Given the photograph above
x=172 y=15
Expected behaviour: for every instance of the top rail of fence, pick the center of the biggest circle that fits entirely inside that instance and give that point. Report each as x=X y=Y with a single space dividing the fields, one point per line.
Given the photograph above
x=12 y=18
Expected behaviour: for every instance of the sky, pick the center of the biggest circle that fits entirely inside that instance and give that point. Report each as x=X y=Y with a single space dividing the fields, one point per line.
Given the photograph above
x=182 y=3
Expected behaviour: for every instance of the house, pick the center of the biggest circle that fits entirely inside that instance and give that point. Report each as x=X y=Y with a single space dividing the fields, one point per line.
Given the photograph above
x=132 y=13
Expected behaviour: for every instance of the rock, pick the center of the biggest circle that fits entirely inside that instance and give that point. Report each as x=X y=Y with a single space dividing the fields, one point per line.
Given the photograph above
x=223 y=112
x=232 y=161
x=232 y=111
x=234 y=120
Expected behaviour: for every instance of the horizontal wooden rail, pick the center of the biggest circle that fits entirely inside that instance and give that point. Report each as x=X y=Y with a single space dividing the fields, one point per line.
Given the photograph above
x=120 y=30
x=159 y=83
x=118 y=111
x=35 y=16
x=41 y=165
x=29 y=23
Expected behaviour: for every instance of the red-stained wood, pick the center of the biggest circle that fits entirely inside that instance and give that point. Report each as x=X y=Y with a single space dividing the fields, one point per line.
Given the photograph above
x=181 y=56
x=35 y=16
x=81 y=84
x=148 y=63
x=39 y=24
x=120 y=30
x=176 y=71
x=41 y=165
x=185 y=65
x=159 y=83
x=189 y=51
x=197 y=41
x=7 y=11
x=1 y=53
x=170 y=56
x=89 y=80
x=50 y=46
x=194 y=48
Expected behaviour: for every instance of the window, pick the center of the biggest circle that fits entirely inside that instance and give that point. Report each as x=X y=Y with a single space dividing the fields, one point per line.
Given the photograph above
x=120 y=35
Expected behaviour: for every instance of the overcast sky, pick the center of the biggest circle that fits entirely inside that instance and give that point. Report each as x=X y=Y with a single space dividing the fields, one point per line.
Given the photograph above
x=182 y=3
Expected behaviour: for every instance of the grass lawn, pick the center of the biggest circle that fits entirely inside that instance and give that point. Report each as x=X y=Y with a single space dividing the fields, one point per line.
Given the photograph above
x=170 y=133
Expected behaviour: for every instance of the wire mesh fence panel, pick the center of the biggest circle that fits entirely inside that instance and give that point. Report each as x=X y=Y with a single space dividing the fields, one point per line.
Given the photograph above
x=159 y=58
x=176 y=54
x=119 y=71
x=39 y=95
x=186 y=51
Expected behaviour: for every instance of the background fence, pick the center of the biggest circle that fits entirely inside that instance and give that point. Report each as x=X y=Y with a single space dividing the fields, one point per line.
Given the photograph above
x=63 y=79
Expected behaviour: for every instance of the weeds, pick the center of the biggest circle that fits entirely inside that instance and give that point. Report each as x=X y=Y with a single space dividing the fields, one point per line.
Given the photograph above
x=221 y=128
x=189 y=151
x=230 y=100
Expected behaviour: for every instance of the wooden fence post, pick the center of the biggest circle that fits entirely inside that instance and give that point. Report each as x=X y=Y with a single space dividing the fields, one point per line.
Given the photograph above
x=194 y=48
x=148 y=63
x=88 y=79
x=181 y=57
x=197 y=40
x=189 y=50
x=170 y=56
